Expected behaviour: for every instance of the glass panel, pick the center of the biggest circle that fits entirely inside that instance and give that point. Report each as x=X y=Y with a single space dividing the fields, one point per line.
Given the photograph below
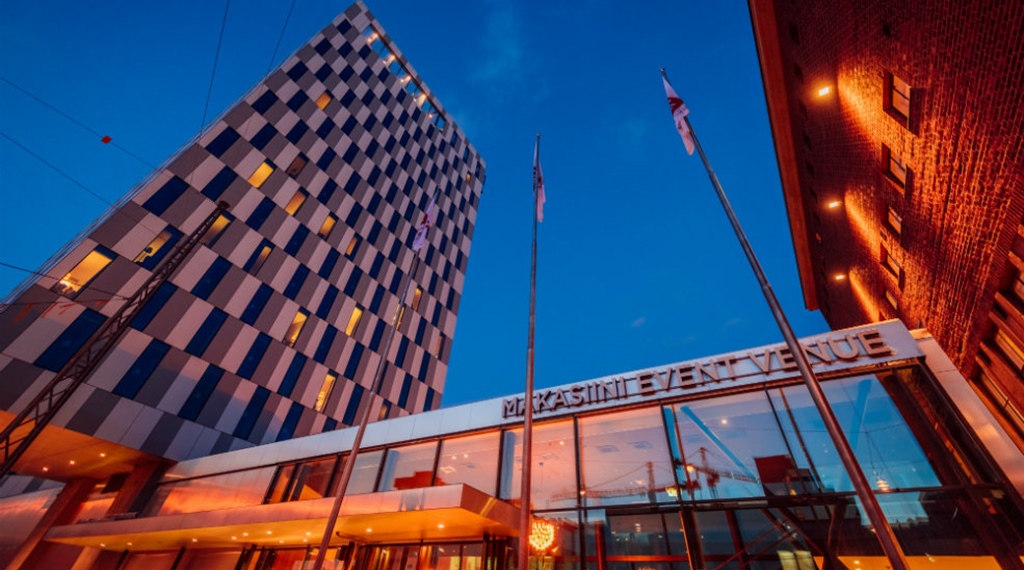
x=261 y=174
x=292 y=335
x=353 y=321
x=731 y=447
x=295 y=203
x=625 y=459
x=215 y=231
x=325 y=391
x=897 y=168
x=471 y=460
x=328 y=225
x=553 y=473
x=635 y=534
x=888 y=452
x=900 y=96
x=157 y=249
x=240 y=489
x=410 y=467
x=364 y=474
x=84 y=272
x=416 y=297
x=323 y=100
x=895 y=221
x=312 y=478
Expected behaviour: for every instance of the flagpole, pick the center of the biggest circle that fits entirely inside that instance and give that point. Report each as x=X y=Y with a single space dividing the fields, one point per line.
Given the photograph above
x=524 y=494
x=886 y=536
x=350 y=461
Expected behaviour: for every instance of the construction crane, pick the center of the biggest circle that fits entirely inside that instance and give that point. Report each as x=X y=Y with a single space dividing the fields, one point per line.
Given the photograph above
x=30 y=422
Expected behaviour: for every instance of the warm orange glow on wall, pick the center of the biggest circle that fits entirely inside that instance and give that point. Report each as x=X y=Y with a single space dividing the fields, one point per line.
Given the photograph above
x=824 y=91
x=834 y=204
x=542 y=535
x=840 y=277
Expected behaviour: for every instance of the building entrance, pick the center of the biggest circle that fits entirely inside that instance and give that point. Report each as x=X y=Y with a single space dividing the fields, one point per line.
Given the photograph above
x=490 y=553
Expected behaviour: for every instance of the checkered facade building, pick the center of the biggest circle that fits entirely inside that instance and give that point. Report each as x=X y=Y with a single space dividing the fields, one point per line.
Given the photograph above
x=328 y=166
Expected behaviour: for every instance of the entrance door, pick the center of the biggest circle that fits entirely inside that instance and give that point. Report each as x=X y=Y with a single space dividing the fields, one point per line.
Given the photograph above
x=488 y=555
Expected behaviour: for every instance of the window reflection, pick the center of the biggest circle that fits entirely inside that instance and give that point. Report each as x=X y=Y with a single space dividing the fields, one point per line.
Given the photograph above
x=301 y=481
x=410 y=467
x=364 y=473
x=553 y=474
x=625 y=459
x=471 y=460
x=731 y=447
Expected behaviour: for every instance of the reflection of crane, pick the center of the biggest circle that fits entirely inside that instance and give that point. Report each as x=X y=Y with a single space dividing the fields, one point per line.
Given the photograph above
x=711 y=475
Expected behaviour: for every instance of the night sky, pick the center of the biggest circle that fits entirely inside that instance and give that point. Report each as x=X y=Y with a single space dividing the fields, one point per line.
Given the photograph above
x=637 y=266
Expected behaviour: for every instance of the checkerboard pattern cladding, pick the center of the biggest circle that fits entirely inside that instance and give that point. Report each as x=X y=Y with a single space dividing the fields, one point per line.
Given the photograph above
x=274 y=327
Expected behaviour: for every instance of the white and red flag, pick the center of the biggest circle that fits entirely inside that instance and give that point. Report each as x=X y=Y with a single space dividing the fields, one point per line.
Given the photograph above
x=538 y=182
x=679 y=113
x=425 y=222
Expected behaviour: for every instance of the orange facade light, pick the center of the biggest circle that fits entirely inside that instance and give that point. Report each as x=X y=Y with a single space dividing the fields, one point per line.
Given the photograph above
x=542 y=535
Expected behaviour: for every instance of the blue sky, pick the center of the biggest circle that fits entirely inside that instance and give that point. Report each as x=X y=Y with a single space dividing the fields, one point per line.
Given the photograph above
x=638 y=265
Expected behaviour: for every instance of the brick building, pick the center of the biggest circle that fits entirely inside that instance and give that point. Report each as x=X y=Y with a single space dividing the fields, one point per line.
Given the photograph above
x=898 y=130
x=274 y=326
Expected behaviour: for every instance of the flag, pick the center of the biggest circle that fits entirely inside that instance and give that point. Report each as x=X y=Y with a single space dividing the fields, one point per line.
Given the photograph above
x=679 y=113
x=538 y=182
x=425 y=222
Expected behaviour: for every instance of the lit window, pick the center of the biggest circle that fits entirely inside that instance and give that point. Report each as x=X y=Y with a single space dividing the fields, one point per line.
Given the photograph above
x=325 y=391
x=323 y=100
x=329 y=222
x=891 y=299
x=296 y=166
x=469 y=177
x=416 y=297
x=900 y=93
x=897 y=169
x=1018 y=286
x=261 y=174
x=295 y=203
x=353 y=321
x=84 y=272
x=895 y=221
x=890 y=263
x=401 y=314
x=352 y=245
x=158 y=248
x=440 y=346
x=292 y=335
x=259 y=258
x=1010 y=349
x=215 y=231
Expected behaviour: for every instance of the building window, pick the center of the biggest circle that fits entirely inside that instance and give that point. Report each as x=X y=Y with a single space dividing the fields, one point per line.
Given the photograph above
x=1018 y=286
x=325 y=391
x=890 y=298
x=83 y=273
x=353 y=321
x=301 y=481
x=206 y=332
x=291 y=336
x=158 y=248
x=259 y=257
x=325 y=228
x=353 y=245
x=439 y=348
x=899 y=93
x=894 y=221
x=1010 y=349
x=262 y=172
x=67 y=344
x=896 y=168
x=416 y=298
x=298 y=199
x=323 y=100
x=297 y=165
x=889 y=263
x=216 y=230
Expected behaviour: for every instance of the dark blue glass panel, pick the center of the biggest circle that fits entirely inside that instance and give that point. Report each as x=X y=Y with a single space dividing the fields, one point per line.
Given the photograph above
x=142 y=369
x=154 y=258
x=292 y=375
x=353 y=362
x=255 y=307
x=223 y=142
x=424 y=366
x=353 y=281
x=352 y=220
x=290 y=421
x=220 y=183
x=325 y=344
x=294 y=244
x=256 y=255
x=204 y=336
x=326 y=158
x=295 y=135
x=153 y=306
x=403 y=397
x=165 y=196
x=61 y=350
x=297 y=100
x=428 y=403
x=254 y=356
x=330 y=424
x=403 y=346
x=209 y=281
x=378 y=298
x=327 y=191
x=327 y=302
x=259 y=215
x=297 y=71
x=201 y=393
x=325 y=128
x=353 y=405
x=263 y=104
x=251 y=413
x=264 y=136
x=378 y=335
x=329 y=262
x=295 y=284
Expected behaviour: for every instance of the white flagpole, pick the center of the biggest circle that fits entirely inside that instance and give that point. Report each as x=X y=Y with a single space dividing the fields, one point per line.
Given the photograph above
x=886 y=536
x=350 y=460
x=524 y=494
